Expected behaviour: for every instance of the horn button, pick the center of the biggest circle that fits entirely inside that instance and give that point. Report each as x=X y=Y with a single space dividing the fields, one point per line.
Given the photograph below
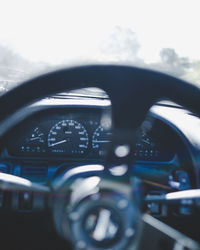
x=105 y=220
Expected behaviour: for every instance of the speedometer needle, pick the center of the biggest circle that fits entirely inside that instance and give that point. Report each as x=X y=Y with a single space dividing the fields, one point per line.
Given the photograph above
x=56 y=143
x=105 y=141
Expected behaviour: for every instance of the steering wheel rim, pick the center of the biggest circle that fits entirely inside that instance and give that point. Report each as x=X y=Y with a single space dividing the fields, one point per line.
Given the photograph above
x=139 y=89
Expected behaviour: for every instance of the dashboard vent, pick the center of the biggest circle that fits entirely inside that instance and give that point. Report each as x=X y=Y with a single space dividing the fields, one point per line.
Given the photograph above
x=34 y=173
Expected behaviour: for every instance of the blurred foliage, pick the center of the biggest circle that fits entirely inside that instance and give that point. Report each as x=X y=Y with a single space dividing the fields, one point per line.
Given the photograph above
x=14 y=68
x=193 y=74
x=171 y=63
x=120 y=47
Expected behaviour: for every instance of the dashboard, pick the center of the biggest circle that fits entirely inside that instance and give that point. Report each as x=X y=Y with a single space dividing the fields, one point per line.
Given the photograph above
x=60 y=134
x=54 y=138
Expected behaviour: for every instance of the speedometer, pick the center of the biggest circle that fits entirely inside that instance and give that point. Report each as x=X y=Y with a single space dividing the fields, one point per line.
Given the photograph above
x=68 y=137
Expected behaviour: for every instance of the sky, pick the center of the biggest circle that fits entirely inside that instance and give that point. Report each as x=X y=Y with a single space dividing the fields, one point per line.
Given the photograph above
x=62 y=30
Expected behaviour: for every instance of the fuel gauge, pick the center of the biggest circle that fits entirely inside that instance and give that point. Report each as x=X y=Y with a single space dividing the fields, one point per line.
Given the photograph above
x=146 y=148
x=35 y=142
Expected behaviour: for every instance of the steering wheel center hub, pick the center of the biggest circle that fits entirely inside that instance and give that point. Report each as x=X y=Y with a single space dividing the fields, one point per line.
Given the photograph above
x=109 y=221
x=102 y=225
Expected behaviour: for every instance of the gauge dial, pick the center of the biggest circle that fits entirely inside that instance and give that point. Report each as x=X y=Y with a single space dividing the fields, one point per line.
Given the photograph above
x=34 y=142
x=146 y=148
x=100 y=140
x=69 y=137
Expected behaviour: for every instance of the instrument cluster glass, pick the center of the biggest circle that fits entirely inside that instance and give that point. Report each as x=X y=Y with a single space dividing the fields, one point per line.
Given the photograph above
x=68 y=137
x=81 y=133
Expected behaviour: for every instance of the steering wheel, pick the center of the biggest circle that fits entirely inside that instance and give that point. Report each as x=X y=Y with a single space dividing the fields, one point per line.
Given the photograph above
x=96 y=207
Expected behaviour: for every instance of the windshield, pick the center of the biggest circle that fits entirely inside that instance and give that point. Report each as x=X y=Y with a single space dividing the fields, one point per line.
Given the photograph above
x=39 y=36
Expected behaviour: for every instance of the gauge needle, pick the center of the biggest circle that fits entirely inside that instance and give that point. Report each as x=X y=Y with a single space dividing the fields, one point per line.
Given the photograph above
x=56 y=143
x=35 y=138
x=105 y=141
x=145 y=141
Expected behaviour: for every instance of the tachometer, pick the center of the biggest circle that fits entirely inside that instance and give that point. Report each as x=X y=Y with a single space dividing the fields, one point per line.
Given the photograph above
x=100 y=140
x=68 y=137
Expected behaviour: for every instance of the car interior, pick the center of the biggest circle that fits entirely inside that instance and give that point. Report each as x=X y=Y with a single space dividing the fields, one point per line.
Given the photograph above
x=100 y=157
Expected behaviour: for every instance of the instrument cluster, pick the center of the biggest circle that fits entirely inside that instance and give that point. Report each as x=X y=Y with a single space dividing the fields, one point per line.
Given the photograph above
x=67 y=134
x=75 y=134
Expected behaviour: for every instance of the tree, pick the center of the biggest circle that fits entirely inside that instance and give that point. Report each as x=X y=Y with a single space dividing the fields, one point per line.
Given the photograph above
x=169 y=56
x=14 y=68
x=172 y=63
x=121 y=46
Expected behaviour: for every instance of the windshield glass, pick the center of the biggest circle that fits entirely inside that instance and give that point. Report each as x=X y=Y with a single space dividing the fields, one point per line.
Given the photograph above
x=39 y=36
